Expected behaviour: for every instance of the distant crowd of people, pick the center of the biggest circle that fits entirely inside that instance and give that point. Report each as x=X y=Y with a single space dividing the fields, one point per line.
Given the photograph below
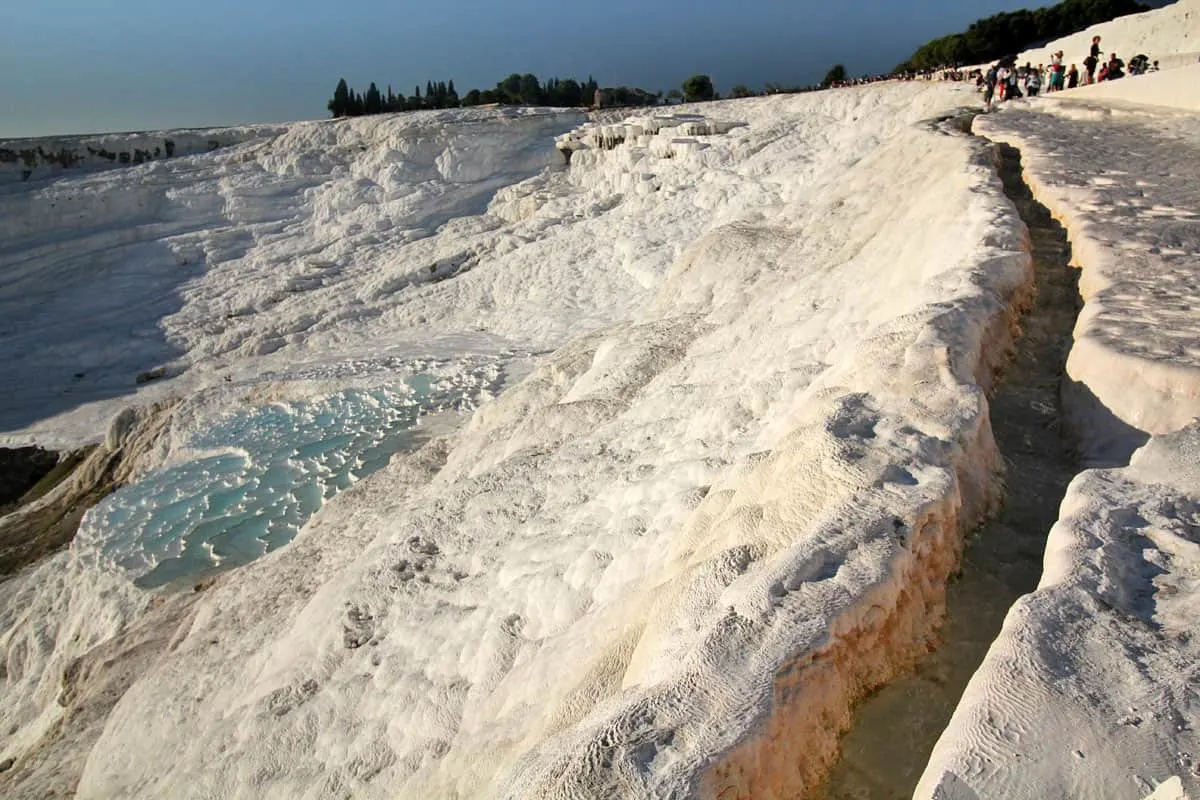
x=1006 y=81
x=863 y=80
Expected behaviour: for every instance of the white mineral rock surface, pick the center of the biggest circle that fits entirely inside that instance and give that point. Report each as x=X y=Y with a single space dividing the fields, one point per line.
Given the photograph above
x=688 y=431
x=1092 y=688
x=752 y=437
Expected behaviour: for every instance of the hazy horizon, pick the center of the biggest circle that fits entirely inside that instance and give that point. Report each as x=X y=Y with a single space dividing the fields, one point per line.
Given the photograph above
x=77 y=67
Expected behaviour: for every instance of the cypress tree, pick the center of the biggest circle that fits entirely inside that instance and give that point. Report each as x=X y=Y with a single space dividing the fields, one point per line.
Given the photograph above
x=340 y=104
x=373 y=103
x=589 y=91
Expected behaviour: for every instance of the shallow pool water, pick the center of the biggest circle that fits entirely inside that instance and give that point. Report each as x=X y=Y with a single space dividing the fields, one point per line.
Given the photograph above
x=258 y=476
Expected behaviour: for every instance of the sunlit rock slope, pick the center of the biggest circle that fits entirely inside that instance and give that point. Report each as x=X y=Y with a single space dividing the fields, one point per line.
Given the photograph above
x=1090 y=690
x=726 y=375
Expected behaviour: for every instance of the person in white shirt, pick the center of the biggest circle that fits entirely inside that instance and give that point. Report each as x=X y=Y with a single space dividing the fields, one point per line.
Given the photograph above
x=1033 y=83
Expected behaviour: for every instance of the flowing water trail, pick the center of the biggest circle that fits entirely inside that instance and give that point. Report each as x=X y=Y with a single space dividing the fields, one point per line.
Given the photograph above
x=895 y=729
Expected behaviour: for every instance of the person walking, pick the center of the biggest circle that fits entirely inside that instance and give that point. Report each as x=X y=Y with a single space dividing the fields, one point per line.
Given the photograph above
x=1012 y=88
x=1073 y=77
x=989 y=88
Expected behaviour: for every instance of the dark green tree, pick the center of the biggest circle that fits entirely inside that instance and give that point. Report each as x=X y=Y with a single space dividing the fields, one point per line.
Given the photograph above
x=698 y=88
x=510 y=88
x=530 y=90
x=340 y=104
x=373 y=103
x=836 y=74
x=570 y=93
x=587 y=92
x=742 y=91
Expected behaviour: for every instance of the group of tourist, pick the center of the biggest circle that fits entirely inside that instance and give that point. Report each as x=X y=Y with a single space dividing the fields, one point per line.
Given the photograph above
x=1006 y=81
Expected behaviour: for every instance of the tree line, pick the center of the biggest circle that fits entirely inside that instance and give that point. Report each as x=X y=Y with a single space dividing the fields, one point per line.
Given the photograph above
x=1010 y=32
x=346 y=102
x=516 y=89
x=525 y=89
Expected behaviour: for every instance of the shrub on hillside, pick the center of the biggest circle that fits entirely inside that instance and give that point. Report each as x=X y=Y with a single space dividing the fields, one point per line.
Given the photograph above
x=698 y=88
x=836 y=74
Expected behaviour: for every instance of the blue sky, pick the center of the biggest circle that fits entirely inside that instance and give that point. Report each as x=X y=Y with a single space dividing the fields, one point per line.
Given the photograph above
x=71 y=66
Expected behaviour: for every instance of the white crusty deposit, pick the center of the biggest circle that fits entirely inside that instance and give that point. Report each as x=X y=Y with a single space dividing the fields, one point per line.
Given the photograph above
x=310 y=250
x=722 y=502
x=1091 y=688
x=723 y=425
x=1123 y=181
